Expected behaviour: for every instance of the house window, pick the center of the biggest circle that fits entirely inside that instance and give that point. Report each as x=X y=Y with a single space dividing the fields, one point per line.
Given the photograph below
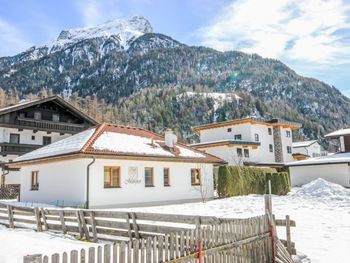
x=269 y=130
x=288 y=134
x=289 y=149
x=37 y=115
x=238 y=137
x=14 y=138
x=166 y=176
x=33 y=138
x=35 y=181
x=195 y=176
x=55 y=117
x=112 y=177
x=270 y=148
x=46 y=140
x=149 y=182
x=246 y=153
x=229 y=129
x=256 y=137
x=239 y=152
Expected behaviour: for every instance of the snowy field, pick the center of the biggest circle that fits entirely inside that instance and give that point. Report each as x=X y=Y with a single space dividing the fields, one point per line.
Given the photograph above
x=320 y=209
x=16 y=243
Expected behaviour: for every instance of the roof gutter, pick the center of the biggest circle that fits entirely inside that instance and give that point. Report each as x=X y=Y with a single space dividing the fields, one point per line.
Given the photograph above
x=88 y=181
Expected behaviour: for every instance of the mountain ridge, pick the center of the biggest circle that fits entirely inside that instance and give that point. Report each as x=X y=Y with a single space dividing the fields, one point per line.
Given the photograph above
x=101 y=66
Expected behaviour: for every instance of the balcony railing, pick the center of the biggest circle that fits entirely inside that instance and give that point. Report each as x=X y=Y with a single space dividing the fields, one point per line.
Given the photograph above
x=49 y=125
x=17 y=149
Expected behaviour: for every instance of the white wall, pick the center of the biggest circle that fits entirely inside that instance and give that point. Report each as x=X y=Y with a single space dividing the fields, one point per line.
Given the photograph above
x=65 y=180
x=335 y=173
x=314 y=150
x=26 y=136
x=287 y=141
x=221 y=133
x=135 y=194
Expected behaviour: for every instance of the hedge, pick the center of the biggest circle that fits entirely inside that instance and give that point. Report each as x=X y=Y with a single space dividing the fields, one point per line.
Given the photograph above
x=244 y=180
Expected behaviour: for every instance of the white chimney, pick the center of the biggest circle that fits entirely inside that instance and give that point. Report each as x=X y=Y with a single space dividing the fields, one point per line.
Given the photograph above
x=170 y=138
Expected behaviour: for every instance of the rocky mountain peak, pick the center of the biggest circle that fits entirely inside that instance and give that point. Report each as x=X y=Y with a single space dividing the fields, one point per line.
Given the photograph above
x=127 y=30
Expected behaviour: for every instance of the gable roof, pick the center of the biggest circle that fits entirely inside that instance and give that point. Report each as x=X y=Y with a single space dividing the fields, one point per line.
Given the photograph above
x=119 y=141
x=303 y=143
x=333 y=158
x=55 y=99
x=338 y=133
x=252 y=120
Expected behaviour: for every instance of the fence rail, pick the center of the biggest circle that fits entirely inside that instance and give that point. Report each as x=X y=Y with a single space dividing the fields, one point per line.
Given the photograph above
x=148 y=238
x=245 y=240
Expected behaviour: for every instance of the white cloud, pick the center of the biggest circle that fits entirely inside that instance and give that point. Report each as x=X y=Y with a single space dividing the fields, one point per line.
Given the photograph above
x=94 y=12
x=286 y=29
x=11 y=39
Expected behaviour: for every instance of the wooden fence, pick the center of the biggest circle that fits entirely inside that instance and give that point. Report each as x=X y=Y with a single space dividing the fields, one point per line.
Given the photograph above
x=239 y=240
x=147 y=238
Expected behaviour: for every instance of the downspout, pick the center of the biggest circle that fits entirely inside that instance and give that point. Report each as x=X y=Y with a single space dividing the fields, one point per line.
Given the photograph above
x=88 y=181
x=4 y=173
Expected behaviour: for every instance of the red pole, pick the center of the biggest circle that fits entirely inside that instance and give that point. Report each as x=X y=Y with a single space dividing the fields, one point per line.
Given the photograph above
x=200 y=251
x=272 y=235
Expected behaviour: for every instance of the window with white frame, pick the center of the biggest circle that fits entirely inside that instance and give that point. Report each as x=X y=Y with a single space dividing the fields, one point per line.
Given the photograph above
x=289 y=149
x=149 y=180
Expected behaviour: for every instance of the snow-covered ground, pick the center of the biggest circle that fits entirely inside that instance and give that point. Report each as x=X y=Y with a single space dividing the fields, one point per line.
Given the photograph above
x=16 y=243
x=320 y=209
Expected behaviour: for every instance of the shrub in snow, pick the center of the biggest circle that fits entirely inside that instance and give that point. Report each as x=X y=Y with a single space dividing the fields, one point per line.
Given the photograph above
x=242 y=180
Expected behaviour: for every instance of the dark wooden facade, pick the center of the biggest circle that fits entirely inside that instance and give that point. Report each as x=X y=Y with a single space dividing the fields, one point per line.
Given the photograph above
x=51 y=114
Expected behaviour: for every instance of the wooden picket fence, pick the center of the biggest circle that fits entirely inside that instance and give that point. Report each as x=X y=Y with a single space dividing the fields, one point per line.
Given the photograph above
x=146 y=237
x=239 y=240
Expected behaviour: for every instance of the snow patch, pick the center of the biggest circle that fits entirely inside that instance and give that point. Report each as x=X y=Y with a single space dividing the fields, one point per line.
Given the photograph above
x=323 y=189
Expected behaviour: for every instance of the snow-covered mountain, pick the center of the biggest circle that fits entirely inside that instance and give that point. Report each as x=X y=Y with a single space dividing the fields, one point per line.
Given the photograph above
x=119 y=58
x=121 y=32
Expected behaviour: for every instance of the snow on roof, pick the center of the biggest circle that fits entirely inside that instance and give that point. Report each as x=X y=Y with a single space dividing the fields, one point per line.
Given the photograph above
x=340 y=132
x=119 y=140
x=71 y=144
x=329 y=159
x=303 y=143
x=126 y=143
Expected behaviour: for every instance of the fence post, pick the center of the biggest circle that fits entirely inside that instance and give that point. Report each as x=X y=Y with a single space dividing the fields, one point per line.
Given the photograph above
x=37 y=219
x=10 y=216
x=38 y=258
x=288 y=235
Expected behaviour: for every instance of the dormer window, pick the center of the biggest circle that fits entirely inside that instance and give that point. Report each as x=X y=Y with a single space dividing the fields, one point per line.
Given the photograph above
x=238 y=137
x=37 y=115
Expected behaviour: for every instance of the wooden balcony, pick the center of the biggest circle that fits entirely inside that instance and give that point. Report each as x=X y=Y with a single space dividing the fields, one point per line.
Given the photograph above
x=17 y=149
x=63 y=127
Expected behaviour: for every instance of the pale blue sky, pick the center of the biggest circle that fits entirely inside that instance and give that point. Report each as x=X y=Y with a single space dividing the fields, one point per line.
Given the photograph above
x=310 y=36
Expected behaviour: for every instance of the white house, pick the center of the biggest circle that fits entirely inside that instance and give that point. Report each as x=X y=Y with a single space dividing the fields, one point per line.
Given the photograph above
x=115 y=166
x=252 y=141
x=30 y=125
x=332 y=167
x=310 y=148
